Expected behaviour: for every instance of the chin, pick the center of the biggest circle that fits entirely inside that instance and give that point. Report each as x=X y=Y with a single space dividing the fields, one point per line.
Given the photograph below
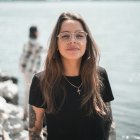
x=72 y=57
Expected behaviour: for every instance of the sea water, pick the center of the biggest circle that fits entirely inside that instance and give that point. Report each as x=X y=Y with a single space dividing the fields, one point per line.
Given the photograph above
x=116 y=28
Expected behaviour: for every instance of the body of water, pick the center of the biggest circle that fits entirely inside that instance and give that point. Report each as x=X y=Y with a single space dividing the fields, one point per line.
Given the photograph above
x=116 y=29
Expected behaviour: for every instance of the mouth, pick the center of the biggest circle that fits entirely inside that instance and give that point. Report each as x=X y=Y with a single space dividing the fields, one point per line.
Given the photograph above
x=72 y=48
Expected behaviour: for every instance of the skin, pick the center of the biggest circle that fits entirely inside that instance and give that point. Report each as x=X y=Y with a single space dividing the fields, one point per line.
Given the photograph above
x=72 y=51
x=36 y=116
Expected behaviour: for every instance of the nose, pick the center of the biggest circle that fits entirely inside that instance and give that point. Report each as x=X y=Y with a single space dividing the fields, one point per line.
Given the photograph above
x=72 y=39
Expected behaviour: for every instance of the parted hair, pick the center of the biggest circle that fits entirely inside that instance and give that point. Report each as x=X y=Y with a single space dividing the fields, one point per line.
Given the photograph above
x=52 y=77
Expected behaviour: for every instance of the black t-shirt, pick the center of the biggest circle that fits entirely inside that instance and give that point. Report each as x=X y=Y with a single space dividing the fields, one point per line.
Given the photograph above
x=70 y=123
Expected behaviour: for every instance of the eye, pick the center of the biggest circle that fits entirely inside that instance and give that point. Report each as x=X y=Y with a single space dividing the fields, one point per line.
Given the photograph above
x=80 y=35
x=65 y=36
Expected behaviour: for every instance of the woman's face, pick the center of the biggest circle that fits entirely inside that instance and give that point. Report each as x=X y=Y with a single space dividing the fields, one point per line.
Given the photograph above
x=72 y=40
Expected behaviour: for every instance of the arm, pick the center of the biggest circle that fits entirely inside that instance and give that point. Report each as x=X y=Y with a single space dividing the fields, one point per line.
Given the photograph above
x=36 y=116
x=109 y=124
x=22 y=59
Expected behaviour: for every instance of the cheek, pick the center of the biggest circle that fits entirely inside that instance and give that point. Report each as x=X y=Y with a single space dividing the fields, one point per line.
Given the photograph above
x=60 y=47
x=83 y=47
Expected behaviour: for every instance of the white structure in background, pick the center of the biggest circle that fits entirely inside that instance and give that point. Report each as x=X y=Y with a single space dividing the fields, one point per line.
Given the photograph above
x=12 y=125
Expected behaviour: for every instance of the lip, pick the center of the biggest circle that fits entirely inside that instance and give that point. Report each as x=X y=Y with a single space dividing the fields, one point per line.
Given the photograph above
x=72 y=49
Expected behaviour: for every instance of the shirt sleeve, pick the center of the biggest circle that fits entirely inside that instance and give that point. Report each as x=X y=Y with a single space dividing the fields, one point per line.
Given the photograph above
x=106 y=91
x=35 y=95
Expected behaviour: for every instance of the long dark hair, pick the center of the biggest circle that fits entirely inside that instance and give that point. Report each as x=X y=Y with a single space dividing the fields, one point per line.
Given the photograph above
x=52 y=77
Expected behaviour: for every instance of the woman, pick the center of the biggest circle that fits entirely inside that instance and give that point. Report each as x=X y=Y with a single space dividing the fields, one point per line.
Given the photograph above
x=73 y=91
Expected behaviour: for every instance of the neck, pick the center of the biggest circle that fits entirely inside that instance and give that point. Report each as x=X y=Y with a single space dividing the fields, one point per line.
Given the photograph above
x=71 y=67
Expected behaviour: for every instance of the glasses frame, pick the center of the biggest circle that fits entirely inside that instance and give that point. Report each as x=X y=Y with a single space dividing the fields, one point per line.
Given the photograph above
x=72 y=34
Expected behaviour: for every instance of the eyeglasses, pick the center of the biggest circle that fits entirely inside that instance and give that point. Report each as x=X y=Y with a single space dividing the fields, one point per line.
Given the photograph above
x=79 y=36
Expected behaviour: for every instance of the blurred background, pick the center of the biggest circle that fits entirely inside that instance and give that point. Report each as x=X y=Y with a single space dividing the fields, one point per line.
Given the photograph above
x=115 y=26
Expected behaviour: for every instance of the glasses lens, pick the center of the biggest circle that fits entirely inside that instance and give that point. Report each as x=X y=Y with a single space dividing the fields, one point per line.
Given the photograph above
x=80 y=36
x=65 y=36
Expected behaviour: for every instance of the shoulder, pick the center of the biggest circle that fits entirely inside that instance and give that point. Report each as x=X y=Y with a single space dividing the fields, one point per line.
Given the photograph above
x=105 y=87
x=27 y=46
x=36 y=82
x=103 y=76
x=39 y=75
x=102 y=71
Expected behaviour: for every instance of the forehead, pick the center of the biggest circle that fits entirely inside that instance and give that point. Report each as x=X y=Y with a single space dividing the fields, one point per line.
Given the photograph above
x=71 y=26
